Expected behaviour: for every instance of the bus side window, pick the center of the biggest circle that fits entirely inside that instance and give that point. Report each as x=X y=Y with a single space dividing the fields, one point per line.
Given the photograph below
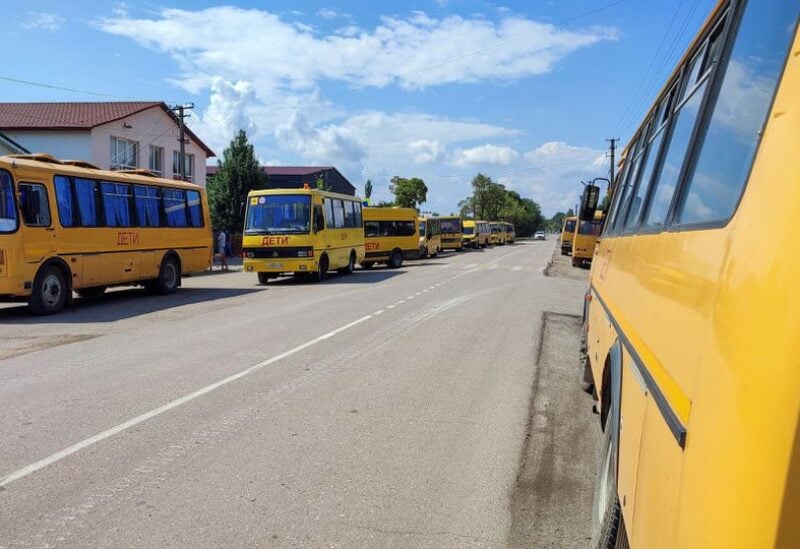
x=319 y=219
x=329 y=213
x=35 y=208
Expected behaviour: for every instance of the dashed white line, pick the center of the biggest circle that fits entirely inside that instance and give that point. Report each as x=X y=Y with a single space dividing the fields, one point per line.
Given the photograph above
x=108 y=433
x=516 y=268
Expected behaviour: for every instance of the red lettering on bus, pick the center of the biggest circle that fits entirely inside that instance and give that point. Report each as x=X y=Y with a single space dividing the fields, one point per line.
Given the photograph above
x=127 y=239
x=275 y=241
x=372 y=246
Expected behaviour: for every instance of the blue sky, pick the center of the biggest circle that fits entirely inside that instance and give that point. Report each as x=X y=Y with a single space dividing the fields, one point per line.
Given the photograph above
x=524 y=91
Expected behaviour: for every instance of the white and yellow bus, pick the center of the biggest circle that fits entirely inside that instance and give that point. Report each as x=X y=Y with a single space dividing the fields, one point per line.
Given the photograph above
x=305 y=232
x=430 y=237
x=476 y=233
x=452 y=233
x=390 y=236
x=692 y=316
x=65 y=226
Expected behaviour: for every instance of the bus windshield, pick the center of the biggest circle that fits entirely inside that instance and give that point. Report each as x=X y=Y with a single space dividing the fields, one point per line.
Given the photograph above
x=422 y=228
x=450 y=225
x=469 y=230
x=278 y=214
x=590 y=227
x=570 y=226
x=8 y=214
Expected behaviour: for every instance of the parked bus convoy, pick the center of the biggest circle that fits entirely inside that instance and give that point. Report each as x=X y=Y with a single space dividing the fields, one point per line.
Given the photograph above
x=67 y=226
x=476 y=233
x=691 y=320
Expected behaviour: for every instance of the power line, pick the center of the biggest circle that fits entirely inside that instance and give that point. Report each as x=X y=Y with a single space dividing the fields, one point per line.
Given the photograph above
x=57 y=87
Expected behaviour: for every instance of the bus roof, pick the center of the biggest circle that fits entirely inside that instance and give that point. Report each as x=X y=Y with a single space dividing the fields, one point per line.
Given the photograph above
x=51 y=165
x=308 y=191
x=389 y=214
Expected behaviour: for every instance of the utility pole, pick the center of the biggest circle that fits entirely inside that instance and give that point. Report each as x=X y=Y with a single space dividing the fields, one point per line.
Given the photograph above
x=181 y=114
x=613 y=147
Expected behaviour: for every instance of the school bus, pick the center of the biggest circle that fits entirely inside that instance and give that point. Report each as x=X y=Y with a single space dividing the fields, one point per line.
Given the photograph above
x=494 y=233
x=476 y=233
x=67 y=226
x=567 y=234
x=430 y=237
x=510 y=235
x=692 y=335
x=584 y=239
x=390 y=236
x=305 y=232
x=452 y=233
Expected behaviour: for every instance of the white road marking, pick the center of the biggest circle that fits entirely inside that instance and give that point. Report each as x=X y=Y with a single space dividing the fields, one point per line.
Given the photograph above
x=516 y=268
x=108 y=433
x=409 y=298
x=391 y=306
x=493 y=266
x=376 y=313
x=401 y=302
x=418 y=293
x=468 y=265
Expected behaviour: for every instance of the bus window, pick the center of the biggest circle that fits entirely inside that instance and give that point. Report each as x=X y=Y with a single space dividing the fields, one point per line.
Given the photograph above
x=34 y=205
x=8 y=213
x=147 y=201
x=85 y=192
x=590 y=227
x=116 y=204
x=279 y=214
x=175 y=208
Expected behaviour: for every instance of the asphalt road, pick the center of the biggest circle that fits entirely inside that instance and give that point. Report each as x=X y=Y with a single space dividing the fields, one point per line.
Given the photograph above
x=388 y=408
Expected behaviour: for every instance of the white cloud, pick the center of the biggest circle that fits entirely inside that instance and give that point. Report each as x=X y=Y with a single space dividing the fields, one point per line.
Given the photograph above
x=43 y=20
x=120 y=9
x=412 y=52
x=487 y=154
x=227 y=113
x=327 y=13
x=426 y=151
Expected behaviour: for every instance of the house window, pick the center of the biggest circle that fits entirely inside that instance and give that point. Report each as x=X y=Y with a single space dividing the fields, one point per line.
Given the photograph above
x=156 y=160
x=188 y=160
x=124 y=153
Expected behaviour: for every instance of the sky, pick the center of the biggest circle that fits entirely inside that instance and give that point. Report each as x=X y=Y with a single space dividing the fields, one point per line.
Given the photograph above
x=526 y=92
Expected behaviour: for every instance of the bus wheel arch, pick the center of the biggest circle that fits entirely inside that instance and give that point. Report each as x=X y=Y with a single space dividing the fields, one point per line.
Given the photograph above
x=351 y=264
x=169 y=274
x=52 y=288
x=395 y=259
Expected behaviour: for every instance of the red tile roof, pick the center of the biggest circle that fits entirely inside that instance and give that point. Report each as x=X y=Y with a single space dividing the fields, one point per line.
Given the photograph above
x=78 y=116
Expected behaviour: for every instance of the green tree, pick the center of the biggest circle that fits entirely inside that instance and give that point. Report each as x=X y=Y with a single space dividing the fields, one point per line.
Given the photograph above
x=368 y=189
x=466 y=208
x=238 y=174
x=384 y=204
x=408 y=192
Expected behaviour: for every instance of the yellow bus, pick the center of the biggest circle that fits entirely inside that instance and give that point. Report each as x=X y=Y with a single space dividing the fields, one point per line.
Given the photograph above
x=567 y=234
x=68 y=226
x=584 y=240
x=476 y=233
x=510 y=235
x=692 y=316
x=494 y=233
x=452 y=233
x=390 y=235
x=430 y=237
x=305 y=232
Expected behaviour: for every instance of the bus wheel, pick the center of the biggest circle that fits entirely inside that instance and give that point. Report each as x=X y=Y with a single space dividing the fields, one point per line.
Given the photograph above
x=351 y=265
x=90 y=293
x=169 y=277
x=49 y=291
x=322 y=269
x=263 y=278
x=395 y=260
x=608 y=528
x=575 y=262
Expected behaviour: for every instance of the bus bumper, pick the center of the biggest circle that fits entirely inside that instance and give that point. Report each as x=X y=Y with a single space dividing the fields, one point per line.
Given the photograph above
x=280 y=265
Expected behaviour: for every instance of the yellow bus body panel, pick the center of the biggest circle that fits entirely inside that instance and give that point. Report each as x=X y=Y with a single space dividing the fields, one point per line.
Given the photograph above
x=713 y=315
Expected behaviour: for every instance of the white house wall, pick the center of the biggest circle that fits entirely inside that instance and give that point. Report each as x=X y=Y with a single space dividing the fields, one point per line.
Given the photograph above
x=71 y=145
x=150 y=127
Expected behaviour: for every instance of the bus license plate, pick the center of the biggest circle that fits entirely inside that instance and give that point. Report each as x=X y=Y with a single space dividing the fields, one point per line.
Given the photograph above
x=275 y=265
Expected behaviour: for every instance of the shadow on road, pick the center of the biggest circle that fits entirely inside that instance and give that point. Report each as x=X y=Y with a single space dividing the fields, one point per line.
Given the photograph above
x=360 y=276
x=120 y=304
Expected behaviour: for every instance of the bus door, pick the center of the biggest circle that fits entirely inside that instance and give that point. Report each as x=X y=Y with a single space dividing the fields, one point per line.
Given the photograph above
x=38 y=229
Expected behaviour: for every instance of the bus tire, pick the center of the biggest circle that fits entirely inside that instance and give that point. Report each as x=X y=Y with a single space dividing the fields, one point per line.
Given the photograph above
x=395 y=260
x=50 y=289
x=351 y=265
x=606 y=511
x=575 y=262
x=263 y=278
x=91 y=293
x=586 y=380
x=322 y=269
x=169 y=276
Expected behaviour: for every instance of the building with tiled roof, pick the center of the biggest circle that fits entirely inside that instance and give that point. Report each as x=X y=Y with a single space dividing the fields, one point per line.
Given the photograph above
x=110 y=135
x=294 y=177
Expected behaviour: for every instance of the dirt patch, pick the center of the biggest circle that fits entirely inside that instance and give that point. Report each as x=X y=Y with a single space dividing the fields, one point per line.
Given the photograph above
x=552 y=499
x=22 y=345
x=561 y=266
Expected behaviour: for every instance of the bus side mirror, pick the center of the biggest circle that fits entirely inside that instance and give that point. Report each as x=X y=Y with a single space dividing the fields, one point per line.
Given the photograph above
x=589 y=202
